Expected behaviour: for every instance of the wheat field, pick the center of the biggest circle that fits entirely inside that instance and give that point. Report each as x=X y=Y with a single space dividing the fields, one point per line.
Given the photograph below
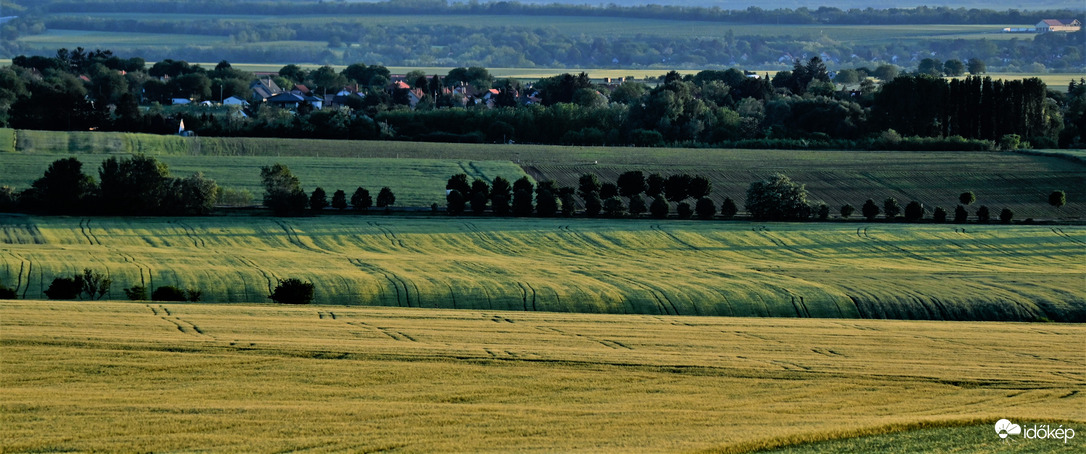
x=849 y=270
x=110 y=376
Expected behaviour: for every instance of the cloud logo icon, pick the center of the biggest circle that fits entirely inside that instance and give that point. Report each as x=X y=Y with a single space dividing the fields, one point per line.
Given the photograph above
x=1004 y=428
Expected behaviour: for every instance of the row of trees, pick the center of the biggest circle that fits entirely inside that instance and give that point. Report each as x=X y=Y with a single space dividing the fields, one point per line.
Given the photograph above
x=137 y=185
x=284 y=196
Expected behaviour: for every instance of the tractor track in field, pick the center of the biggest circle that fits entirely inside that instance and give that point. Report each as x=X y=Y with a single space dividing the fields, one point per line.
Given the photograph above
x=674 y=238
x=1059 y=232
x=85 y=229
x=267 y=275
x=389 y=235
x=24 y=264
x=190 y=232
x=396 y=281
x=295 y=239
x=181 y=324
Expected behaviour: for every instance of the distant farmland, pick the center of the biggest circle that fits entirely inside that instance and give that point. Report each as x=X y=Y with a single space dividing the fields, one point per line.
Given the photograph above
x=945 y=272
x=418 y=171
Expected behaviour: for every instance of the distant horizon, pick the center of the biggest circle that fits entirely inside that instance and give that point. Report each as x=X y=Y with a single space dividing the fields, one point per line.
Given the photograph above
x=1024 y=5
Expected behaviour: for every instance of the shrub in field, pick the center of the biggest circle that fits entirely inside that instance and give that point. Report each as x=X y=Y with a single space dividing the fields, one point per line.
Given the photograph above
x=293 y=291
x=546 y=199
x=608 y=190
x=914 y=211
x=459 y=182
x=847 y=210
x=318 y=201
x=870 y=210
x=983 y=215
x=659 y=207
x=194 y=295
x=6 y=293
x=339 y=200
x=234 y=197
x=684 y=211
x=677 y=187
x=1057 y=199
x=65 y=288
x=967 y=198
x=64 y=189
x=823 y=212
x=939 y=215
x=728 y=208
x=361 y=200
x=705 y=208
x=891 y=208
x=136 y=293
x=654 y=184
x=169 y=293
x=1006 y=215
x=614 y=207
x=960 y=215
x=592 y=204
x=637 y=205
x=777 y=199
x=454 y=202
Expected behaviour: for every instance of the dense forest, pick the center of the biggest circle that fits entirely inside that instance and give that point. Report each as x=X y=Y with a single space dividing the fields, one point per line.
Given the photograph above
x=342 y=33
x=800 y=108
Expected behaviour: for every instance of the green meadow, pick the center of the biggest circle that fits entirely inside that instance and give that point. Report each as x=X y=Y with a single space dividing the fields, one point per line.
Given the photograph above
x=106 y=376
x=741 y=269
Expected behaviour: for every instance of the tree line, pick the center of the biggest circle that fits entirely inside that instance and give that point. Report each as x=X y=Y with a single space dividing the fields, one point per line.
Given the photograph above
x=778 y=198
x=800 y=108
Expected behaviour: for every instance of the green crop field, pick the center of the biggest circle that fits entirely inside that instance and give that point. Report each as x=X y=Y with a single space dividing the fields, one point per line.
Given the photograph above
x=418 y=170
x=975 y=272
x=54 y=39
x=95 y=376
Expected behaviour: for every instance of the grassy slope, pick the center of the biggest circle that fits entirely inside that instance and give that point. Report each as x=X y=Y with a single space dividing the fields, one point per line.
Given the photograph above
x=87 y=376
x=1000 y=180
x=648 y=267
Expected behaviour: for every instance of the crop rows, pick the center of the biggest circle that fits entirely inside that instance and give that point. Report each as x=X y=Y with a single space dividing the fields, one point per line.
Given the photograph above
x=646 y=267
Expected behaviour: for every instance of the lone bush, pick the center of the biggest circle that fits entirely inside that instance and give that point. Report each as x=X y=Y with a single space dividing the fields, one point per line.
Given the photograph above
x=847 y=210
x=777 y=199
x=870 y=210
x=169 y=293
x=136 y=293
x=1057 y=199
x=967 y=198
x=65 y=288
x=6 y=293
x=293 y=291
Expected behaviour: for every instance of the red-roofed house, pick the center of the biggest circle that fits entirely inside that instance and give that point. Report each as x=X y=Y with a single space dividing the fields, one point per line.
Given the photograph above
x=1056 y=25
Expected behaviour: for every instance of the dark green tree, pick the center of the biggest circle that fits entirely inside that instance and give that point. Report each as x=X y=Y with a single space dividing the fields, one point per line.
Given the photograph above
x=613 y=207
x=823 y=212
x=318 y=200
x=339 y=200
x=891 y=208
x=592 y=204
x=976 y=66
x=361 y=200
x=684 y=211
x=954 y=68
x=65 y=288
x=546 y=199
x=777 y=199
x=870 y=210
x=914 y=211
x=705 y=208
x=608 y=190
x=460 y=183
x=631 y=183
x=983 y=214
x=1057 y=199
x=939 y=215
x=64 y=189
x=500 y=196
x=385 y=198
x=659 y=207
x=283 y=192
x=699 y=187
x=522 y=197
x=967 y=198
x=654 y=184
x=587 y=183
x=455 y=202
x=960 y=215
x=677 y=187
x=1006 y=216
x=637 y=205
x=847 y=210
x=728 y=209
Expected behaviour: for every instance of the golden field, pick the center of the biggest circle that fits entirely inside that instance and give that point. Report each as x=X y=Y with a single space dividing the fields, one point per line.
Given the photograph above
x=111 y=376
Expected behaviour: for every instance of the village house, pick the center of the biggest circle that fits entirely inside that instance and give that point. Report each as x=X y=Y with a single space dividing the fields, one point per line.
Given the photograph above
x=1057 y=25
